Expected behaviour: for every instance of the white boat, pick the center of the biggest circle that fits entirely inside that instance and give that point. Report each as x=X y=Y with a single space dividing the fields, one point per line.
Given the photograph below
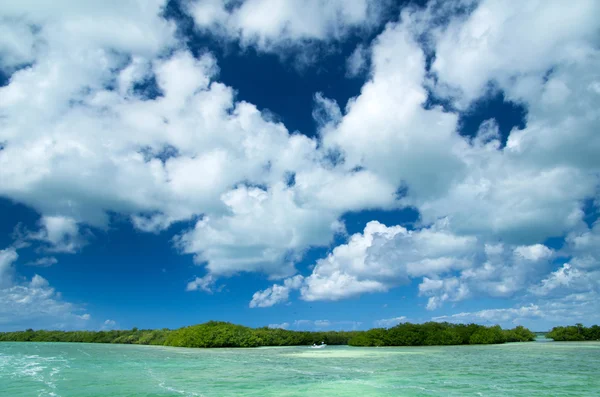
x=315 y=346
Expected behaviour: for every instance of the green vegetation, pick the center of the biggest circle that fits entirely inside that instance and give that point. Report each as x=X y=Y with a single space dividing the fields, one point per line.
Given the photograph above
x=134 y=336
x=221 y=334
x=575 y=332
x=429 y=334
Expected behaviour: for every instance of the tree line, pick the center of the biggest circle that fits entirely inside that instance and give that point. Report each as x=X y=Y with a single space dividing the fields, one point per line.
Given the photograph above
x=433 y=333
x=223 y=334
x=575 y=332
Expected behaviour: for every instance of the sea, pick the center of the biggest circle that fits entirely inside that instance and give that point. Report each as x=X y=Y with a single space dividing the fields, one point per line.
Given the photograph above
x=514 y=369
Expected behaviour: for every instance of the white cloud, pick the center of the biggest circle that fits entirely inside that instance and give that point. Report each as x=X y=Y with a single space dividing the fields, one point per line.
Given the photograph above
x=501 y=272
x=453 y=267
x=569 y=279
x=61 y=233
x=7 y=257
x=121 y=25
x=581 y=274
x=539 y=316
x=513 y=315
x=322 y=325
x=282 y=326
x=16 y=44
x=376 y=260
x=109 y=325
x=78 y=142
x=357 y=61
x=44 y=262
x=276 y=293
x=205 y=284
x=383 y=257
x=487 y=44
x=584 y=246
x=33 y=303
x=386 y=129
x=440 y=291
x=390 y=322
x=274 y=25
x=75 y=150
x=534 y=252
x=523 y=194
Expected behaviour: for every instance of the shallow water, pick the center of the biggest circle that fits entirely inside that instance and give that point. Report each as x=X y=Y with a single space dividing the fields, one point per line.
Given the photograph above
x=526 y=369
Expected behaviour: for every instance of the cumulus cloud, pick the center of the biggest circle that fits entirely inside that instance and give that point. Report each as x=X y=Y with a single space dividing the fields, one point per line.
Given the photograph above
x=282 y=326
x=384 y=257
x=205 y=284
x=502 y=272
x=60 y=233
x=109 y=325
x=7 y=258
x=453 y=268
x=513 y=315
x=44 y=262
x=33 y=303
x=91 y=143
x=274 y=25
x=568 y=278
x=276 y=293
x=320 y=325
x=357 y=61
x=541 y=315
x=389 y=130
x=581 y=274
x=80 y=139
x=390 y=322
x=486 y=45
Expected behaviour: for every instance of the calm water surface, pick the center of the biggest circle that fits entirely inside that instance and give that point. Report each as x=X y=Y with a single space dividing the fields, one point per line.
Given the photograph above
x=526 y=369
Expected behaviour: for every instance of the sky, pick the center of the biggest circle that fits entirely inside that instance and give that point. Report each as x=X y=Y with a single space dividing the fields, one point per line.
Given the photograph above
x=309 y=165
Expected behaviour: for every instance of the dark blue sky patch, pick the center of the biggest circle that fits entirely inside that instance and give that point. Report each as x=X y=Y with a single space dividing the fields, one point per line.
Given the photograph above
x=333 y=158
x=290 y=179
x=163 y=154
x=591 y=210
x=434 y=101
x=250 y=185
x=147 y=88
x=4 y=78
x=507 y=114
x=549 y=74
x=402 y=191
x=13 y=214
x=355 y=221
x=277 y=83
x=6 y=74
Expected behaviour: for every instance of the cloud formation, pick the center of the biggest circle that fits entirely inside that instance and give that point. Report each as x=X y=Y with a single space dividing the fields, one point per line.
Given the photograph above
x=275 y=25
x=107 y=112
x=33 y=303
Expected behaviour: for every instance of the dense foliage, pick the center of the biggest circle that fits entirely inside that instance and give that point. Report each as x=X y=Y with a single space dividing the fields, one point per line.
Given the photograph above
x=218 y=334
x=574 y=333
x=221 y=334
x=432 y=333
x=133 y=336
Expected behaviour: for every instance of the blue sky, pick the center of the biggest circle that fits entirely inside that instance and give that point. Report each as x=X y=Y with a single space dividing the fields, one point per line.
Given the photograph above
x=307 y=165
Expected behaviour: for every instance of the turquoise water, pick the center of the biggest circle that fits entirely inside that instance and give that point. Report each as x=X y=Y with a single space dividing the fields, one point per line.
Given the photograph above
x=531 y=369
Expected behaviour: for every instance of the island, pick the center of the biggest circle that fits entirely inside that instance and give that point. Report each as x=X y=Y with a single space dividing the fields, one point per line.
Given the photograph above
x=224 y=334
x=574 y=333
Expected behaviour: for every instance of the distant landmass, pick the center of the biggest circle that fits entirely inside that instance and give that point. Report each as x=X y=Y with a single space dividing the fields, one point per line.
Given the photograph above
x=223 y=334
x=575 y=332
